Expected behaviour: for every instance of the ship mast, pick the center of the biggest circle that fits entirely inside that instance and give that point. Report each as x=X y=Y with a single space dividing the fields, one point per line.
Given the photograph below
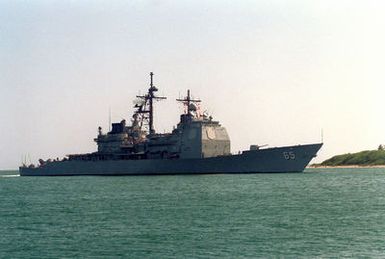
x=149 y=99
x=187 y=102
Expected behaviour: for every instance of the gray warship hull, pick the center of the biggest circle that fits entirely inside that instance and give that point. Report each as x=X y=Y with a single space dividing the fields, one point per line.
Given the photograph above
x=269 y=160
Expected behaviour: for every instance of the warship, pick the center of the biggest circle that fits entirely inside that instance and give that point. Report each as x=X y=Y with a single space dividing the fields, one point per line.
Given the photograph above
x=197 y=145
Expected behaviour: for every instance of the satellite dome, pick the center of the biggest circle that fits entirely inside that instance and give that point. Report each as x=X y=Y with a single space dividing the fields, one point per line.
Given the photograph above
x=192 y=107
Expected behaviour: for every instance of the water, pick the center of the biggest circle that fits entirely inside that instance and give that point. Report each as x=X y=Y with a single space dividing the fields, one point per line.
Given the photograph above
x=320 y=213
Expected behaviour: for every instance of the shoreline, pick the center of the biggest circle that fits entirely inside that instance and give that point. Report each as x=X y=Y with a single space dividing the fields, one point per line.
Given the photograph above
x=346 y=166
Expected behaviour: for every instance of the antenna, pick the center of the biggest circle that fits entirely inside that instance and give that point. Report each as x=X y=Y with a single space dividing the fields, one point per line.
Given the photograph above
x=150 y=97
x=322 y=135
x=109 y=118
x=187 y=101
x=151 y=75
x=24 y=158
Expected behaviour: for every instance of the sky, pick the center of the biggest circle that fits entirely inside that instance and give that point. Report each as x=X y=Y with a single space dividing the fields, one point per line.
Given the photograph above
x=272 y=72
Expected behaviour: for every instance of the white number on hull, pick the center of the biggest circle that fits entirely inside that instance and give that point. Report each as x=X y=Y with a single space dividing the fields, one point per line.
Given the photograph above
x=289 y=155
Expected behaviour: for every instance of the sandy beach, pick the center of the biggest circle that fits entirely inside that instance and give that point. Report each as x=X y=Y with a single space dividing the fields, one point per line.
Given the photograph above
x=347 y=166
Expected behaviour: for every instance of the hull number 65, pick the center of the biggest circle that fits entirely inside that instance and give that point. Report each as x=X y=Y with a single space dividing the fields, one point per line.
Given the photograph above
x=289 y=155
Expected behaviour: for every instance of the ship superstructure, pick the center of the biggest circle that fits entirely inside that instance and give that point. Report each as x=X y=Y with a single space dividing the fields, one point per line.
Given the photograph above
x=198 y=144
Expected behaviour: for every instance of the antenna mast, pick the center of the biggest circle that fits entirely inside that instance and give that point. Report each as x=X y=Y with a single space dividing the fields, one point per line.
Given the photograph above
x=109 y=118
x=150 y=97
x=187 y=101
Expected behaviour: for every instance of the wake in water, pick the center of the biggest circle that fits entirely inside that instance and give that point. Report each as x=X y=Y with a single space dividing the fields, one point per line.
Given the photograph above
x=10 y=175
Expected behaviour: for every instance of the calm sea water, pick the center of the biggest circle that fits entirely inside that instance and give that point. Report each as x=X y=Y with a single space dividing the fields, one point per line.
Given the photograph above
x=319 y=213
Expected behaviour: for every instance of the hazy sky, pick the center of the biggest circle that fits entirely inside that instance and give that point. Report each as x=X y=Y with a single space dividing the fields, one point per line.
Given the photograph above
x=272 y=72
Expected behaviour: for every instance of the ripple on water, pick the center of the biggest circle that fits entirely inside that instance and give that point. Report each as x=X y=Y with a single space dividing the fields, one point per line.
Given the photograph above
x=323 y=212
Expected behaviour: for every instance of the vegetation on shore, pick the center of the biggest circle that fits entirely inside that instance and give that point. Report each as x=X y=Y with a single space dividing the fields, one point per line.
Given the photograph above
x=363 y=158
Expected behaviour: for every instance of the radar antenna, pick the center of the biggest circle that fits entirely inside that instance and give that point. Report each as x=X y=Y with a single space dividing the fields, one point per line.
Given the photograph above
x=148 y=105
x=187 y=101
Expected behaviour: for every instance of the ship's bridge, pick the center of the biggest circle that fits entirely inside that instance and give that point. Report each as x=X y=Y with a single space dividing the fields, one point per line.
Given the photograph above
x=196 y=136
